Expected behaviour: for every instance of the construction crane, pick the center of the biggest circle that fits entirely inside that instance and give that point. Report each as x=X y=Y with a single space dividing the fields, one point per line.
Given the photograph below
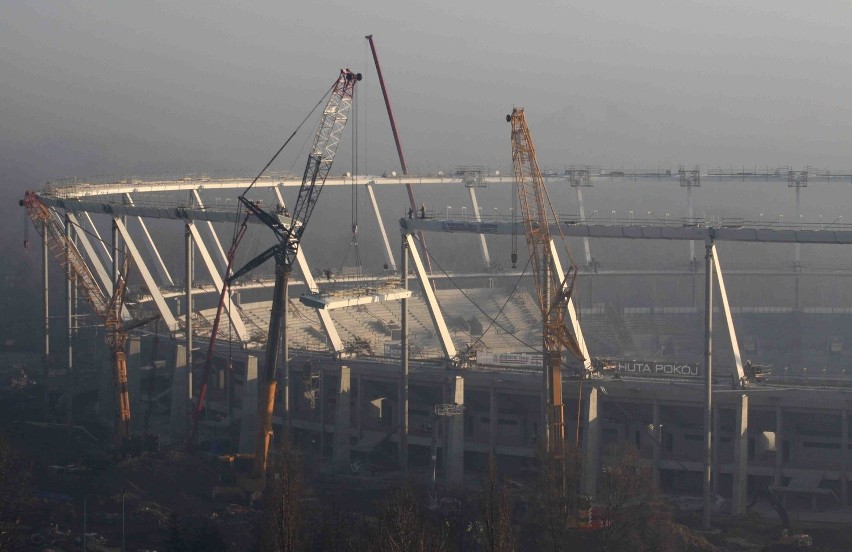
x=109 y=309
x=288 y=230
x=553 y=291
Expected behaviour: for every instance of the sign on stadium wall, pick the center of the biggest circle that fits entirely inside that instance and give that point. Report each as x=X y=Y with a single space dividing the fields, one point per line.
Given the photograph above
x=659 y=369
x=525 y=360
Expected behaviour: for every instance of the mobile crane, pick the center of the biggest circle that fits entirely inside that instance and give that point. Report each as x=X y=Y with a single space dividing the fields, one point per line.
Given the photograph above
x=553 y=294
x=288 y=231
x=109 y=309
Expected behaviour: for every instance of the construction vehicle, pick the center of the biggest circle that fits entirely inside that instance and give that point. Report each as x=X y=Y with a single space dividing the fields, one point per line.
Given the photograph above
x=786 y=542
x=553 y=289
x=108 y=308
x=288 y=229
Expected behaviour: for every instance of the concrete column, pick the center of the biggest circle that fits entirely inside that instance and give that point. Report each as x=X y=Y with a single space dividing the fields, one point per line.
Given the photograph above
x=134 y=380
x=455 y=436
x=493 y=415
x=342 y=416
x=714 y=457
x=658 y=437
x=359 y=406
x=321 y=399
x=178 y=417
x=844 y=457
x=404 y=353
x=591 y=444
x=779 y=445
x=248 y=422
x=740 y=486
x=708 y=380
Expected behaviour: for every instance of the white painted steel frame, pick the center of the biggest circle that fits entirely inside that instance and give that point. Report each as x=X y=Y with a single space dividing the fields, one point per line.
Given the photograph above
x=324 y=316
x=572 y=312
x=233 y=314
x=222 y=258
x=152 y=248
x=738 y=374
x=431 y=300
x=159 y=301
x=486 y=258
x=388 y=251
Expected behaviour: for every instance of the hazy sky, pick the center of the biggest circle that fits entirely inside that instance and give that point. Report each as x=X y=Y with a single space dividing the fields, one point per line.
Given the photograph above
x=112 y=87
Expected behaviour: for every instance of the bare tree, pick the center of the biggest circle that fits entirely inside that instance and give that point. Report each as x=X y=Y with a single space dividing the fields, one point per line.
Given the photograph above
x=283 y=531
x=14 y=495
x=495 y=515
x=403 y=526
x=555 y=498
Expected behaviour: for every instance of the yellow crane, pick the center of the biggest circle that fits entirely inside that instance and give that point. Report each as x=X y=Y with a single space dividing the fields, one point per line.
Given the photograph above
x=553 y=292
x=107 y=308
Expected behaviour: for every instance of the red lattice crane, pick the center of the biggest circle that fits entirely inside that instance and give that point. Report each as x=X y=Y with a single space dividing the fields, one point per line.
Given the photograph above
x=553 y=294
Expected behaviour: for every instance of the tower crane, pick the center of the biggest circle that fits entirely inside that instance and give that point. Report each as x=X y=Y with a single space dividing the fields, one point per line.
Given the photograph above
x=553 y=293
x=288 y=231
x=109 y=309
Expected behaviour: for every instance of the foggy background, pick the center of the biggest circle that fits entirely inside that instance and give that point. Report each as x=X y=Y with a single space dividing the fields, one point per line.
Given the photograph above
x=97 y=88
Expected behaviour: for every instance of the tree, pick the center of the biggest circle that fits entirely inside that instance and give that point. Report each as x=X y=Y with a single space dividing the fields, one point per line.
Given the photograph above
x=555 y=498
x=175 y=539
x=14 y=494
x=495 y=516
x=283 y=530
x=403 y=526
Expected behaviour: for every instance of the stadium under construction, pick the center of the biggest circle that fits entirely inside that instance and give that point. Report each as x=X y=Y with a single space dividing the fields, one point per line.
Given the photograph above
x=471 y=385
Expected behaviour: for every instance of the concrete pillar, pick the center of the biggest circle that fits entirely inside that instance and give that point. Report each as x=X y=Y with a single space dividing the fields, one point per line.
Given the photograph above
x=359 y=407
x=779 y=445
x=179 y=415
x=740 y=486
x=714 y=457
x=455 y=436
x=248 y=422
x=658 y=437
x=134 y=381
x=844 y=457
x=493 y=415
x=591 y=444
x=342 y=417
x=321 y=399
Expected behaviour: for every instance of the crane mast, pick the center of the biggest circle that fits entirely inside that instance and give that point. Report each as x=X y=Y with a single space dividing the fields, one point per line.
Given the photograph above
x=289 y=230
x=553 y=294
x=107 y=308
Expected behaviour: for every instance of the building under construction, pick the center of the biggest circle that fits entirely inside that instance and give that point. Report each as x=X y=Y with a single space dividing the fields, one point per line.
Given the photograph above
x=737 y=395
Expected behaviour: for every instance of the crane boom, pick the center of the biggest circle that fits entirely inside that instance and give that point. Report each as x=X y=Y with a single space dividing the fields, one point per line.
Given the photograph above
x=553 y=294
x=107 y=308
x=289 y=231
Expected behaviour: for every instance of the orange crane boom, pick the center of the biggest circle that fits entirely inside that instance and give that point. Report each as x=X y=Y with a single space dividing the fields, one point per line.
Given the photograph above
x=553 y=294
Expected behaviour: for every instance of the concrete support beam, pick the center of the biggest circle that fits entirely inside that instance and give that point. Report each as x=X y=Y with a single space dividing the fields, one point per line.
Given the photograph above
x=249 y=410
x=714 y=457
x=455 y=436
x=134 y=380
x=844 y=457
x=591 y=445
x=779 y=446
x=179 y=416
x=342 y=417
x=740 y=487
x=658 y=438
x=486 y=258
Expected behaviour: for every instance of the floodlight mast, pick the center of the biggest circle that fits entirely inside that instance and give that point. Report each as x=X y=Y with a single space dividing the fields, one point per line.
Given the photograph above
x=288 y=229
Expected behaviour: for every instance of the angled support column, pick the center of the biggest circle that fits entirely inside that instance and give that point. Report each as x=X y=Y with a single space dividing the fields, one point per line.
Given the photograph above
x=740 y=490
x=572 y=312
x=435 y=312
x=159 y=300
x=708 y=384
x=233 y=314
x=404 y=353
x=94 y=259
x=583 y=219
x=388 y=251
x=221 y=258
x=152 y=248
x=737 y=373
x=324 y=315
x=486 y=258
x=107 y=257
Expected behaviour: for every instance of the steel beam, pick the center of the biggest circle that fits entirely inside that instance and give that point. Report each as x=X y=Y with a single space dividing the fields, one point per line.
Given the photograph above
x=222 y=258
x=388 y=251
x=107 y=255
x=162 y=307
x=435 y=312
x=152 y=248
x=572 y=312
x=486 y=259
x=233 y=314
x=737 y=374
x=324 y=315
x=94 y=259
x=708 y=385
x=583 y=219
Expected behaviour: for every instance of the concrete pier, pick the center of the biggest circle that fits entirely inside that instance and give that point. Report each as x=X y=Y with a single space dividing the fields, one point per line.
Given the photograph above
x=591 y=444
x=342 y=421
x=249 y=410
x=455 y=435
x=740 y=488
x=180 y=407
